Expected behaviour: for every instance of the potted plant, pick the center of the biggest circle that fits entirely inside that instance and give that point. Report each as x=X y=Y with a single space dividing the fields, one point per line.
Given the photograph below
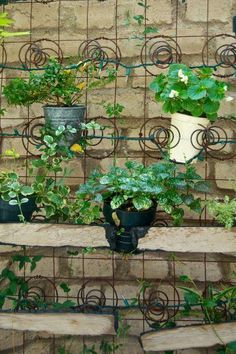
x=223 y=211
x=193 y=98
x=17 y=201
x=60 y=89
x=131 y=194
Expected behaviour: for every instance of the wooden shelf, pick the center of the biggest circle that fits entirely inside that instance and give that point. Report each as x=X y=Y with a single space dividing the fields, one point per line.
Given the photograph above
x=194 y=336
x=78 y=324
x=169 y=239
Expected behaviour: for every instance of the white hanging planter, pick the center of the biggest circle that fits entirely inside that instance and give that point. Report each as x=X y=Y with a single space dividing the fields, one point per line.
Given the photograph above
x=185 y=144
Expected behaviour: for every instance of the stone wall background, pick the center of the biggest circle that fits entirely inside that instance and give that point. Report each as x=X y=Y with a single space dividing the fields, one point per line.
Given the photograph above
x=69 y=23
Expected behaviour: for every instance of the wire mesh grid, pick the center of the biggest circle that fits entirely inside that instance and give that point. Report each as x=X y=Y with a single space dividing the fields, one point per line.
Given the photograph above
x=117 y=276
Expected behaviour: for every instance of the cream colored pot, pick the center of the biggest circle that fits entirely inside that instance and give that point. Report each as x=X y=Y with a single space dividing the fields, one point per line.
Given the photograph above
x=188 y=142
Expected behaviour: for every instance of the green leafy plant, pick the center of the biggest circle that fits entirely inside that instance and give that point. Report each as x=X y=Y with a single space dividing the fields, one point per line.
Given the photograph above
x=223 y=211
x=136 y=187
x=16 y=287
x=14 y=192
x=213 y=301
x=53 y=196
x=57 y=85
x=188 y=91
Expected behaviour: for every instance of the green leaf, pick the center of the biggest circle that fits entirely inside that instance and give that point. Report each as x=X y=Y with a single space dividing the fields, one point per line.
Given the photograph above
x=142 y=202
x=117 y=201
x=27 y=190
x=195 y=92
x=211 y=107
x=232 y=346
x=13 y=202
x=65 y=287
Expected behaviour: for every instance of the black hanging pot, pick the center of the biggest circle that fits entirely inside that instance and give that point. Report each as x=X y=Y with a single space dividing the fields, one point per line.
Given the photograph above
x=128 y=219
x=9 y=213
x=124 y=221
x=73 y=116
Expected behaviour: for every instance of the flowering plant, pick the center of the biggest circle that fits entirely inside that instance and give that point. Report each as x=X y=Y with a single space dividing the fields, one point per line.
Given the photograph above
x=57 y=85
x=188 y=91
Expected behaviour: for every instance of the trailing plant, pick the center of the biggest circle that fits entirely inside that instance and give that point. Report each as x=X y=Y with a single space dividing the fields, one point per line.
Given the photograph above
x=136 y=187
x=15 y=287
x=215 y=303
x=52 y=195
x=223 y=211
x=57 y=85
x=188 y=91
x=14 y=192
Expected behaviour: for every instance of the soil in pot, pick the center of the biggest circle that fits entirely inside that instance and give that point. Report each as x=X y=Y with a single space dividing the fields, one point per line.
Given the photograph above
x=9 y=213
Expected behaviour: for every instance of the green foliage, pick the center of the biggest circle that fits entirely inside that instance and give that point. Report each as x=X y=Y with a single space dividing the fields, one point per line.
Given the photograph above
x=137 y=187
x=6 y=21
x=62 y=350
x=57 y=85
x=15 y=287
x=14 y=192
x=193 y=92
x=113 y=110
x=213 y=301
x=224 y=212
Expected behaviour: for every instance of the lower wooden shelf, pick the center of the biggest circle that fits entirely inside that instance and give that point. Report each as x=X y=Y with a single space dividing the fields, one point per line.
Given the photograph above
x=78 y=324
x=194 y=336
x=170 y=239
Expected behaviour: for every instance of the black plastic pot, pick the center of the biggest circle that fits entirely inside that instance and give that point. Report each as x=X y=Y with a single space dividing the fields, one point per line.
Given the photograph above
x=123 y=241
x=129 y=219
x=9 y=213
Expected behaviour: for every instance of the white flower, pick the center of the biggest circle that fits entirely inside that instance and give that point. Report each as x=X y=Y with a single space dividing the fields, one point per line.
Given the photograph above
x=225 y=88
x=229 y=98
x=183 y=78
x=173 y=94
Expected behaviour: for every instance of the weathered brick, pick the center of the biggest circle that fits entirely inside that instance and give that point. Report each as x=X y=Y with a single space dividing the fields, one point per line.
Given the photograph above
x=218 y=10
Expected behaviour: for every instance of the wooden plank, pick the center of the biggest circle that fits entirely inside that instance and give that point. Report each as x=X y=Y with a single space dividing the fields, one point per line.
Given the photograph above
x=196 y=336
x=59 y=323
x=190 y=239
x=53 y=235
x=169 y=239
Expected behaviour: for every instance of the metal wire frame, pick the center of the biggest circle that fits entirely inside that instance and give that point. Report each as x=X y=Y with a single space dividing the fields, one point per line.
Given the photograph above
x=154 y=48
x=157 y=303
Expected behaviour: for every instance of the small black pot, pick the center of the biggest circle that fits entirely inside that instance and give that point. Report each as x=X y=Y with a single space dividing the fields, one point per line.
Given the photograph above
x=9 y=213
x=123 y=241
x=129 y=219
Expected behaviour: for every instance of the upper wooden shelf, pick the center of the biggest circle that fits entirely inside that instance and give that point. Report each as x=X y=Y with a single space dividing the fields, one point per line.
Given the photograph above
x=170 y=239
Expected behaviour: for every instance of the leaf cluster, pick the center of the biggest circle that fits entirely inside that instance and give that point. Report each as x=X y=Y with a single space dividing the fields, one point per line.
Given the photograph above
x=57 y=85
x=188 y=91
x=136 y=187
x=223 y=211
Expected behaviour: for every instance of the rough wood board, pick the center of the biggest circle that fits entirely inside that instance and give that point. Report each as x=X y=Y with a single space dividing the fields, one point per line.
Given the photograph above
x=202 y=336
x=170 y=239
x=53 y=235
x=190 y=239
x=58 y=323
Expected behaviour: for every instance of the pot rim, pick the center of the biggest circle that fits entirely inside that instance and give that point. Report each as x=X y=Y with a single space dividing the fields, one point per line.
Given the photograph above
x=65 y=107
